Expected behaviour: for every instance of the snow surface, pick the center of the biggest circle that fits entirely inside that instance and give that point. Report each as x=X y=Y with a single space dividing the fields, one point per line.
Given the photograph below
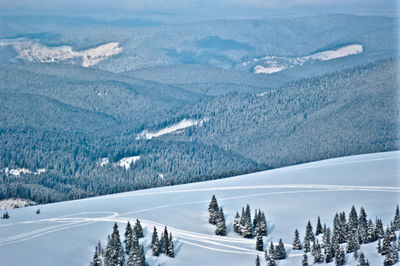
x=124 y=162
x=66 y=233
x=33 y=51
x=341 y=52
x=19 y=171
x=185 y=123
x=127 y=161
x=15 y=203
x=274 y=64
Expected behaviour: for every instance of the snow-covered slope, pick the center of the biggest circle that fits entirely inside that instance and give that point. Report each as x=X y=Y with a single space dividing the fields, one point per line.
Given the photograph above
x=65 y=233
x=33 y=51
x=185 y=123
x=273 y=64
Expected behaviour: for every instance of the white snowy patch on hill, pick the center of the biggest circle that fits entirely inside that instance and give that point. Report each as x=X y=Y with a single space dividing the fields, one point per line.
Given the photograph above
x=37 y=52
x=274 y=64
x=15 y=203
x=267 y=70
x=341 y=52
x=19 y=171
x=124 y=162
x=127 y=161
x=185 y=123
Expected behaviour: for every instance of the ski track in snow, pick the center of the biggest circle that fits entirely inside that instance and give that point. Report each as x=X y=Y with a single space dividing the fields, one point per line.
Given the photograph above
x=206 y=241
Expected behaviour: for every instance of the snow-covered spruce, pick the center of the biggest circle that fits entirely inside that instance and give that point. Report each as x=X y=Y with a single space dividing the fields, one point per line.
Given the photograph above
x=243 y=225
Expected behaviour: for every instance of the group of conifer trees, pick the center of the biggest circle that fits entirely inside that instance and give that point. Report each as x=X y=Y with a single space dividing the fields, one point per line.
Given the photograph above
x=133 y=254
x=247 y=228
x=163 y=245
x=216 y=217
x=353 y=232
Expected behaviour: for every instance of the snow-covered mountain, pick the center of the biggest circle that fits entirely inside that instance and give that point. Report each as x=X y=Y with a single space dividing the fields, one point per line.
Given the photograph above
x=65 y=233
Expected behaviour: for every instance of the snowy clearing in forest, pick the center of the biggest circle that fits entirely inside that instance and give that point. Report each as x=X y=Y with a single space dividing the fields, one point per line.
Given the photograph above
x=274 y=64
x=185 y=123
x=36 y=52
x=289 y=197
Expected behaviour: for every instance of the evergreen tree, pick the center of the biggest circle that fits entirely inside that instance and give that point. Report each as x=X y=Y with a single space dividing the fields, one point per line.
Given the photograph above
x=353 y=220
x=343 y=227
x=386 y=245
x=6 y=215
x=258 y=261
x=164 y=242
x=263 y=224
x=352 y=242
x=396 y=219
x=38 y=211
x=236 y=223
x=221 y=226
x=259 y=242
x=305 y=260
x=329 y=253
x=271 y=251
x=371 y=237
x=171 y=250
x=280 y=252
x=379 y=247
x=96 y=259
x=340 y=258
x=138 y=229
x=307 y=245
x=296 y=241
x=115 y=254
x=392 y=233
x=362 y=261
x=213 y=210
x=128 y=238
x=326 y=238
x=318 y=229
x=318 y=257
x=155 y=245
x=363 y=226
x=379 y=233
x=309 y=232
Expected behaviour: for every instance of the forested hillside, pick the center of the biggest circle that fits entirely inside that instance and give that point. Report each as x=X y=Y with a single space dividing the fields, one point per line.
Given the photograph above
x=347 y=112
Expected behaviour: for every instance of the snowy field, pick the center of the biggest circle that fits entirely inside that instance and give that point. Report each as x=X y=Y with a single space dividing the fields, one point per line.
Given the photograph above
x=66 y=233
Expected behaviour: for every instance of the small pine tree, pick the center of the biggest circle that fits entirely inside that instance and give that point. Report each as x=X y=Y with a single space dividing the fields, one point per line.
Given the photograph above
x=363 y=226
x=304 y=262
x=155 y=245
x=353 y=220
x=329 y=253
x=138 y=229
x=371 y=237
x=280 y=252
x=318 y=229
x=258 y=261
x=296 y=241
x=6 y=216
x=236 y=223
x=340 y=258
x=38 y=211
x=128 y=238
x=318 y=257
x=96 y=259
x=164 y=242
x=170 y=250
x=379 y=233
x=362 y=261
x=213 y=210
x=259 y=242
x=386 y=245
x=307 y=245
x=271 y=251
x=396 y=219
x=309 y=232
x=220 y=222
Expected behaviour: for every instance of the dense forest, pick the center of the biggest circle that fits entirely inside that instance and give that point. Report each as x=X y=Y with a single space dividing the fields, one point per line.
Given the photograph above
x=344 y=113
